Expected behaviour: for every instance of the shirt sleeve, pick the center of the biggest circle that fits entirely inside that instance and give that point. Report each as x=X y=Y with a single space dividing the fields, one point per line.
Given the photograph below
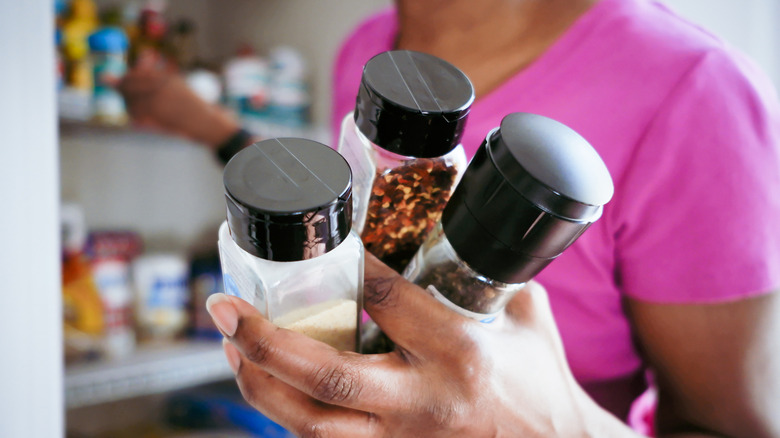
x=697 y=211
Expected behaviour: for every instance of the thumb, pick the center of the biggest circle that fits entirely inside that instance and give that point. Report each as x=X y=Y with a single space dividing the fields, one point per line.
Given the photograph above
x=226 y=310
x=530 y=305
x=530 y=308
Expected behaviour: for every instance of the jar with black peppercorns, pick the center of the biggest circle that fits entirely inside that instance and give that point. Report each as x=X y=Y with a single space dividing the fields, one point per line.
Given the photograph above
x=403 y=145
x=533 y=187
x=287 y=246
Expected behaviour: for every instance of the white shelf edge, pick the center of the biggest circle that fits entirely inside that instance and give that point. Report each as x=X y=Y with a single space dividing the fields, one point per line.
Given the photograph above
x=151 y=370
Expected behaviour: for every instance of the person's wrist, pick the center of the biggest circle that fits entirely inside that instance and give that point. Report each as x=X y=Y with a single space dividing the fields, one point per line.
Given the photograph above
x=237 y=141
x=215 y=127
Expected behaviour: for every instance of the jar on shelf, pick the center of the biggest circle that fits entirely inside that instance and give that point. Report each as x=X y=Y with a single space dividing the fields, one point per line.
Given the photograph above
x=162 y=295
x=108 y=52
x=403 y=144
x=532 y=189
x=287 y=246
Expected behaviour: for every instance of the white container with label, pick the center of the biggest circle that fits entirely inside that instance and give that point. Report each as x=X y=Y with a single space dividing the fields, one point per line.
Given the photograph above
x=161 y=294
x=112 y=277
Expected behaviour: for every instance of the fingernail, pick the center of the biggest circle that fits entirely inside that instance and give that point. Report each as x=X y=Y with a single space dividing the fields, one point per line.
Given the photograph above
x=232 y=354
x=223 y=313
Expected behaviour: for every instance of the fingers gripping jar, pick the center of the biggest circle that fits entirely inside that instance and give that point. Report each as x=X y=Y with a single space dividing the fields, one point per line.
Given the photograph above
x=287 y=245
x=403 y=145
x=533 y=187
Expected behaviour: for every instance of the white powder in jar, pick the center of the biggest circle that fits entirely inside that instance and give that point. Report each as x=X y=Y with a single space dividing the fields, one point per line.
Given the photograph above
x=332 y=322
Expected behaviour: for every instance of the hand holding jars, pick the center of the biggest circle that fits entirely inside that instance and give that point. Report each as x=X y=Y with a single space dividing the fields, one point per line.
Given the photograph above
x=448 y=375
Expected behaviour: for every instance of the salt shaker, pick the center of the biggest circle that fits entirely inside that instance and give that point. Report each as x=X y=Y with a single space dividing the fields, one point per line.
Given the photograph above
x=287 y=245
x=533 y=187
x=403 y=144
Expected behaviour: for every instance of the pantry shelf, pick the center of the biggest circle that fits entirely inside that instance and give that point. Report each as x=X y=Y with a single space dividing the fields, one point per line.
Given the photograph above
x=152 y=369
x=73 y=127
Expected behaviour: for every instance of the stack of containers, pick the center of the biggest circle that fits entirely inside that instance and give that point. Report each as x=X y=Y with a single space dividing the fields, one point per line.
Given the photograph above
x=289 y=247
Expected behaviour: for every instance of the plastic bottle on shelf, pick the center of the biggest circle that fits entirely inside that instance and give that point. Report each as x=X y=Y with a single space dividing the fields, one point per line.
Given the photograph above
x=59 y=61
x=82 y=307
x=288 y=95
x=532 y=189
x=77 y=22
x=205 y=280
x=162 y=295
x=112 y=276
x=110 y=254
x=130 y=21
x=205 y=84
x=403 y=144
x=287 y=246
x=108 y=49
x=247 y=78
x=81 y=20
x=183 y=44
x=150 y=33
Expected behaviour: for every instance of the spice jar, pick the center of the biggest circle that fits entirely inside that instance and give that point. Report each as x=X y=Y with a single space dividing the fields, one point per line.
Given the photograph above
x=403 y=144
x=533 y=187
x=287 y=245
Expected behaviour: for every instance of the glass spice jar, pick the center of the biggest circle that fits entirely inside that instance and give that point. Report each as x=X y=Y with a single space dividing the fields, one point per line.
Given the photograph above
x=287 y=246
x=403 y=145
x=533 y=187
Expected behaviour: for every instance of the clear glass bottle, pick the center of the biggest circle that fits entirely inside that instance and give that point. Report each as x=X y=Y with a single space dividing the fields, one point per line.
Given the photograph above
x=533 y=187
x=438 y=266
x=287 y=246
x=403 y=145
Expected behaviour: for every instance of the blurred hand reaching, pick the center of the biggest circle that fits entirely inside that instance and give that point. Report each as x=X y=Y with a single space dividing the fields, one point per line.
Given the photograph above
x=160 y=100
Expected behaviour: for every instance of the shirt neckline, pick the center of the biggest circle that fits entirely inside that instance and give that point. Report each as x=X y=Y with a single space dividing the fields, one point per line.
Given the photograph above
x=563 y=47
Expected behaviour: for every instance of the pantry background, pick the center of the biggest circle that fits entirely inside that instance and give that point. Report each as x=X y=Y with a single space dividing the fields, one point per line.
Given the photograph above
x=167 y=190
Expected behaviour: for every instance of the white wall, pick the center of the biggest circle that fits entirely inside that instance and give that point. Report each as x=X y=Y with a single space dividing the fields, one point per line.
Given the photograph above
x=30 y=313
x=750 y=25
x=168 y=190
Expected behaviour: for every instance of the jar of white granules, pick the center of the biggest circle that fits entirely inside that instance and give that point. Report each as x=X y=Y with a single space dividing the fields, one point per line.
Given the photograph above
x=287 y=246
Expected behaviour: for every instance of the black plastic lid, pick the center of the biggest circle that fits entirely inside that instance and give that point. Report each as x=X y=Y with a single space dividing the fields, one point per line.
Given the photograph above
x=533 y=187
x=413 y=104
x=288 y=199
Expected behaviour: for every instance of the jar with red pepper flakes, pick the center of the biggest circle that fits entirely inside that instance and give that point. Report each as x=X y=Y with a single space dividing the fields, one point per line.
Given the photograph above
x=403 y=145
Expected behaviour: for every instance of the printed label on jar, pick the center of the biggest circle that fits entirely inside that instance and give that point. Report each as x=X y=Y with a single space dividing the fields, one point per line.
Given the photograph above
x=485 y=318
x=168 y=292
x=237 y=278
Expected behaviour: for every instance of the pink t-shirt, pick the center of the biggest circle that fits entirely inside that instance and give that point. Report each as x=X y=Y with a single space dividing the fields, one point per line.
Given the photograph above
x=689 y=130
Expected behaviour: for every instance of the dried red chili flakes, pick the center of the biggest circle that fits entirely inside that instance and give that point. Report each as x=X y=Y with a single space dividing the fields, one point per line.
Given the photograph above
x=405 y=204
